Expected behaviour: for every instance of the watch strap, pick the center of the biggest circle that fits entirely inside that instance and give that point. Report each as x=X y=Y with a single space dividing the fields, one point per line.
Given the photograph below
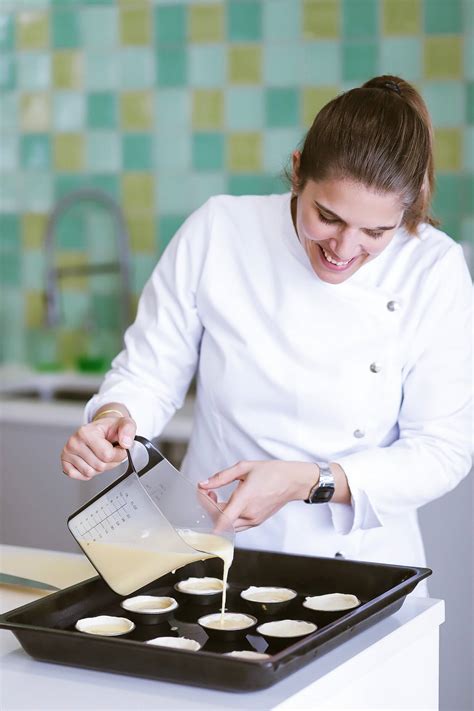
x=323 y=489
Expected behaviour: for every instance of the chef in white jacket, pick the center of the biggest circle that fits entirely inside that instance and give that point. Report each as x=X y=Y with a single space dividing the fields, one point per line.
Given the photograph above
x=330 y=332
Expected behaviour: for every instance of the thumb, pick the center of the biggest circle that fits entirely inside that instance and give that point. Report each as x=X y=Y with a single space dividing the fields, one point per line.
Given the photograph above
x=126 y=430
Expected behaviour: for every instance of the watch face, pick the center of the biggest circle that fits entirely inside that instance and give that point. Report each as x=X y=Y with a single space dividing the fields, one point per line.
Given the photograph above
x=323 y=494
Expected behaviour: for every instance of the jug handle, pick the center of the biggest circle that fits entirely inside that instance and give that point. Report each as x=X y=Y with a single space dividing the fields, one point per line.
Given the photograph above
x=154 y=456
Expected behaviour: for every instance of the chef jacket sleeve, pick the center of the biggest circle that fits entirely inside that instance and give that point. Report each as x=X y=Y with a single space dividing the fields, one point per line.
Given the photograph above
x=434 y=449
x=152 y=373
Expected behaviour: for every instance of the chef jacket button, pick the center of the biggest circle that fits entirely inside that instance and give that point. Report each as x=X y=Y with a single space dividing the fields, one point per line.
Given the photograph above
x=338 y=555
x=375 y=367
x=359 y=434
x=393 y=305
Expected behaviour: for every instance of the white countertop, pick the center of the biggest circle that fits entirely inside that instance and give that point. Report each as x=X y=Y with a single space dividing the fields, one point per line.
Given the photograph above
x=367 y=667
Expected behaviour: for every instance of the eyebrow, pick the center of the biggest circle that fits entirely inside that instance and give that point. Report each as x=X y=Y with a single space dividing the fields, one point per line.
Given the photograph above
x=333 y=214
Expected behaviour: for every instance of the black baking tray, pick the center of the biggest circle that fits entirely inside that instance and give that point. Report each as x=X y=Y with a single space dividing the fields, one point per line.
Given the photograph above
x=45 y=628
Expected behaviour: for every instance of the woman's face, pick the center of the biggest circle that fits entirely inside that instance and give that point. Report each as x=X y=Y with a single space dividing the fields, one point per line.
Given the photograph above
x=342 y=225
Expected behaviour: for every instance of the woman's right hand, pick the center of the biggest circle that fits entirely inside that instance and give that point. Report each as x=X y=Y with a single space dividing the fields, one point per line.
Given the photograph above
x=91 y=450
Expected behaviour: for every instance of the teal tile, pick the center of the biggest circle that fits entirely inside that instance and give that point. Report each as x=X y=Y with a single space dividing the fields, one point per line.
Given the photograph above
x=446 y=102
x=204 y=185
x=102 y=110
x=10 y=230
x=137 y=151
x=37 y=193
x=468 y=233
x=402 y=56
x=13 y=343
x=65 y=28
x=9 y=111
x=34 y=71
x=137 y=68
x=101 y=70
x=449 y=194
x=8 y=153
x=102 y=151
x=35 y=151
x=359 y=60
x=173 y=195
x=360 y=19
x=470 y=102
x=173 y=110
x=99 y=27
x=468 y=156
x=173 y=154
x=7 y=72
x=170 y=24
x=75 y=308
x=443 y=17
x=10 y=197
x=278 y=146
x=142 y=267
x=320 y=63
x=65 y=183
x=452 y=225
x=168 y=225
x=469 y=194
x=68 y=111
x=281 y=67
x=281 y=107
x=281 y=20
x=105 y=311
x=469 y=57
x=244 y=108
x=207 y=66
x=33 y=269
x=468 y=8
x=251 y=184
x=7 y=31
x=172 y=66
x=244 y=20
x=208 y=151
x=107 y=183
x=70 y=232
x=10 y=250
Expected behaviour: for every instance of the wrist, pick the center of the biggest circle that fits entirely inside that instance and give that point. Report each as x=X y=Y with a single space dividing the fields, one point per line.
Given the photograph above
x=306 y=475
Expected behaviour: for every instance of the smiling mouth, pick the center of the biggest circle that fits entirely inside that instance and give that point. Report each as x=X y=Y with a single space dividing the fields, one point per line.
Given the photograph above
x=333 y=263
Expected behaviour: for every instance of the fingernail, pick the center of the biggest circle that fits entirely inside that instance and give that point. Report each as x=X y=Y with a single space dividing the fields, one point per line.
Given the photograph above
x=203 y=483
x=126 y=441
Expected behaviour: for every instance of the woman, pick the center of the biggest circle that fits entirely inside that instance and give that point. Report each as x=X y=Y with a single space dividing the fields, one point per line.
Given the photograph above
x=330 y=331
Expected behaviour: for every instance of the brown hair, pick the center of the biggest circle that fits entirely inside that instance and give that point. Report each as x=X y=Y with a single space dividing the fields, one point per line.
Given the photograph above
x=379 y=135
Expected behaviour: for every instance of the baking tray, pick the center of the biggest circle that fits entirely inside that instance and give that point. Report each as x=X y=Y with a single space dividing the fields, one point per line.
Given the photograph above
x=45 y=628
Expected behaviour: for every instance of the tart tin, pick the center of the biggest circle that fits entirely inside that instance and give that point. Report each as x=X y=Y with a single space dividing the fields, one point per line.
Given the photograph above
x=228 y=635
x=277 y=633
x=200 y=591
x=149 y=609
x=259 y=599
x=189 y=645
x=105 y=625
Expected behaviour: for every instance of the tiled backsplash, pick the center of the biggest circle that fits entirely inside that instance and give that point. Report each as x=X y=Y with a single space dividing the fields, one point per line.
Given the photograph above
x=162 y=104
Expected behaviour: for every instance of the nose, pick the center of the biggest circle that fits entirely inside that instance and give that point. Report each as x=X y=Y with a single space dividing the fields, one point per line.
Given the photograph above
x=345 y=244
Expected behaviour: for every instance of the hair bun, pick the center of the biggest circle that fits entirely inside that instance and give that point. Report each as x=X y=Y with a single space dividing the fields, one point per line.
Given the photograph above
x=393 y=86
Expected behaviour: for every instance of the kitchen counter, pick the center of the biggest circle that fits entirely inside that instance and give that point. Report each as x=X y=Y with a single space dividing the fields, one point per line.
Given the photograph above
x=391 y=665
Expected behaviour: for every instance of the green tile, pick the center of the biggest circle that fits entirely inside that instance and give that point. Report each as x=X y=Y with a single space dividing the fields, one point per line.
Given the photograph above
x=99 y=27
x=65 y=183
x=65 y=29
x=244 y=152
x=360 y=19
x=137 y=67
x=142 y=267
x=101 y=70
x=281 y=20
x=7 y=72
x=35 y=111
x=245 y=64
x=34 y=71
x=244 y=20
x=68 y=111
x=207 y=65
x=172 y=66
x=443 y=17
x=137 y=151
x=32 y=29
x=102 y=151
x=10 y=250
x=469 y=194
x=443 y=57
x=70 y=229
x=67 y=69
x=313 y=100
x=401 y=56
x=320 y=63
x=401 y=17
x=35 y=151
x=105 y=311
x=278 y=146
x=451 y=224
x=37 y=191
x=244 y=108
x=470 y=102
x=252 y=184
x=446 y=102
x=7 y=31
x=170 y=24
x=448 y=149
x=449 y=194
x=33 y=229
x=281 y=107
x=135 y=24
x=168 y=225
x=68 y=149
x=208 y=109
x=106 y=183
x=359 y=60
x=321 y=19
x=141 y=229
x=468 y=162
x=468 y=57
x=136 y=110
x=206 y=22
x=102 y=111
x=137 y=192
x=208 y=151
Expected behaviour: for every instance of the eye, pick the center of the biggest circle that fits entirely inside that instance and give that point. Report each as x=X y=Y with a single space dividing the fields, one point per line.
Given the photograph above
x=375 y=235
x=326 y=220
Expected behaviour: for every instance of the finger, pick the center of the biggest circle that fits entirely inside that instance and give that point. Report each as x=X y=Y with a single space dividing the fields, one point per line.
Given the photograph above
x=126 y=431
x=212 y=495
x=83 y=467
x=99 y=460
x=226 y=476
x=70 y=470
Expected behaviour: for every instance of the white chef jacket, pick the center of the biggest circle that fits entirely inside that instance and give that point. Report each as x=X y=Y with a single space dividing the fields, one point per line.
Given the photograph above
x=373 y=373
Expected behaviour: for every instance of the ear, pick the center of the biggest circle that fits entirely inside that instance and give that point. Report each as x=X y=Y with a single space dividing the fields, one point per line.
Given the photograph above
x=295 y=158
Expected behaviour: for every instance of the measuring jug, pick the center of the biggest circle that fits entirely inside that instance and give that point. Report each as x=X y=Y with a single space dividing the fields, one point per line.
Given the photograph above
x=148 y=523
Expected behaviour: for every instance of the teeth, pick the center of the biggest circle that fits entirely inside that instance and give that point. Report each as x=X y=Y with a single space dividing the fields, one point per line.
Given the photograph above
x=333 y=261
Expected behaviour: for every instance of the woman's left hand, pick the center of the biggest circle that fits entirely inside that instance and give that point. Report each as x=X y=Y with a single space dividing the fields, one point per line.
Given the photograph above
x=263 y=488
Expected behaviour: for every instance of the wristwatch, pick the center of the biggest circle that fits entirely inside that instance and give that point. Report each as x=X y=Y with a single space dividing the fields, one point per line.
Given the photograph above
x=323 y=490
